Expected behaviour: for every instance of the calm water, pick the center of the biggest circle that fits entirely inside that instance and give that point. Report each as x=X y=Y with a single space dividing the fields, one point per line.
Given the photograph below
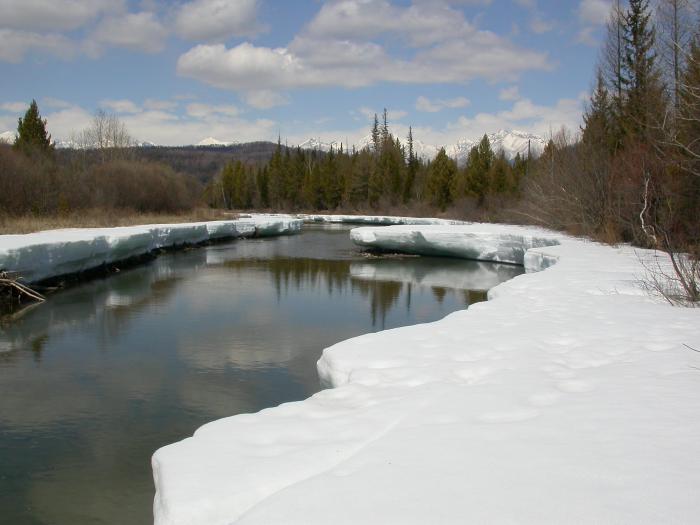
x=96 y=379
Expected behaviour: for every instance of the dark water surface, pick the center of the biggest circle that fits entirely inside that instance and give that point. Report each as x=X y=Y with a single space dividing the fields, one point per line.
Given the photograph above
x=104 y=373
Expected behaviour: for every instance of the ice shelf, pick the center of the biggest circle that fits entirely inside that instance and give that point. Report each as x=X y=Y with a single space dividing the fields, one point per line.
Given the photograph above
x=569 y=396
x=52 y=253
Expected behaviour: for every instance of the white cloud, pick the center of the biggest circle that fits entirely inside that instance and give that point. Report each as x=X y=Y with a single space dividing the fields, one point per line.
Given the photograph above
x=522 y=115
x=14 y=45
x=136 y=31
x=164 y=127
x=336 y=49
x=265 y=99
x=392 y=114
x=594 y=12
x=539 y=25
x=217 y=20
x=587 y=37
x=246 y=67
x=526 y=115
x=509 y=93
x=62 y=124
x=14 y=107
x=199 y=110
x=433 y=106
x=120 y=106
x=53 y=15
x=159 y=105
x=55 y=103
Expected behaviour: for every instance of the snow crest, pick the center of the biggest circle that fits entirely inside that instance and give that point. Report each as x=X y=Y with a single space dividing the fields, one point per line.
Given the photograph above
x=41 y=255
x=567 y=397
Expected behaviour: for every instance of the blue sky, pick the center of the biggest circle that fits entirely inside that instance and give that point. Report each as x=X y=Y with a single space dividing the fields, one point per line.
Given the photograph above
x=177 y=72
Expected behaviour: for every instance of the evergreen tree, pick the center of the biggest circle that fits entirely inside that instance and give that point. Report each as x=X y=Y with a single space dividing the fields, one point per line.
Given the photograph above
x=478 y=169
x=385 y=126
x=410 y=169
x=640 y=77
x=519 y=171
x=598 y=118
x=31 y=132
x=440 y=176
x=375 y=134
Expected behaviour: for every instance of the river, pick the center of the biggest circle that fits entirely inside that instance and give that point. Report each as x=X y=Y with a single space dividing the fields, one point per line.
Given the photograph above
x=96 y=379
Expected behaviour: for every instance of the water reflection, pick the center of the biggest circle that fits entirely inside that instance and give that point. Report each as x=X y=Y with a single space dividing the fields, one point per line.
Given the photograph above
x=96 y=379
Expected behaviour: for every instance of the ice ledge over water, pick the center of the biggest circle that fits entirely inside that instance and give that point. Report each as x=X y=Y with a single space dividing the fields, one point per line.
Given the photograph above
x=568 y=397
x=377 y=220
x=41 y=255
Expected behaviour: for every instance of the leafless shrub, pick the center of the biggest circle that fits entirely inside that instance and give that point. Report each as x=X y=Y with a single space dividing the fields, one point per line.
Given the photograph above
x=679 y=284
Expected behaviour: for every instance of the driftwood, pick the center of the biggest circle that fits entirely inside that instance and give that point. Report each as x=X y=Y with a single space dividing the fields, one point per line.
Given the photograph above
x=15 y=287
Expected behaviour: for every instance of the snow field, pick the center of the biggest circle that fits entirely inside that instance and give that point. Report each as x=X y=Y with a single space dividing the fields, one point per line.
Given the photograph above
x=41 y=255
x=567 y=397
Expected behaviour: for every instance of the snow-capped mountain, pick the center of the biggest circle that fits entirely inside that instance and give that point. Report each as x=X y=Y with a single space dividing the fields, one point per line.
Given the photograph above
x=511 y=142
x=211 y=141
x=319 y=145
x=7 y=137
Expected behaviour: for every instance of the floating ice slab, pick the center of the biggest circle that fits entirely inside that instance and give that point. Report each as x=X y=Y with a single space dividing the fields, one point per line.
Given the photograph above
x=38 y=256
x=568 y=397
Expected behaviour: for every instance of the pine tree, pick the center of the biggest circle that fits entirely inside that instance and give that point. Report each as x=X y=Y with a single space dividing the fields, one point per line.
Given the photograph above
x=31 y=132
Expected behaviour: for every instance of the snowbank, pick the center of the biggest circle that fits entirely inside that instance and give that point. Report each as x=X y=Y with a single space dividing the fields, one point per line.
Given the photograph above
x=41 y=255
x=568 y=397
x=377 y=220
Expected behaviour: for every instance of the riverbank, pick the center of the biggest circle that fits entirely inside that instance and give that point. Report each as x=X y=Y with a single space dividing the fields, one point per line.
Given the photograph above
x=569 y=396
x=53 y=253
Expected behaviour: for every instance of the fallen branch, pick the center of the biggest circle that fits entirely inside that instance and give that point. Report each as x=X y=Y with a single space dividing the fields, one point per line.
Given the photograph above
x=13 y=285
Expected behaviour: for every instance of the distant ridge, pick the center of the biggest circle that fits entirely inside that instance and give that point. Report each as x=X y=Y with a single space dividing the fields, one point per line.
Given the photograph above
x=511 y=142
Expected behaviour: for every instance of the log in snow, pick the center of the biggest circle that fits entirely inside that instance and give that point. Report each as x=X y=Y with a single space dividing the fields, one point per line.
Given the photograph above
x=567 y=397
x=42 y=255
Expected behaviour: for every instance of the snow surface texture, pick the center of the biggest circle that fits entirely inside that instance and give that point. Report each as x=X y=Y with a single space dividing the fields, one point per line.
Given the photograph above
x=566 y=398
x=41 y=255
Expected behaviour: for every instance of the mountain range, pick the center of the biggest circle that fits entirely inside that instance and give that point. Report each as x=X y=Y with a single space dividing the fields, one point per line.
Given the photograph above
x=511 y=142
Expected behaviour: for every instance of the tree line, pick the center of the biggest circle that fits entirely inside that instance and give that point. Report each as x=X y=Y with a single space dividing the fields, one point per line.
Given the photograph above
x=386 y=174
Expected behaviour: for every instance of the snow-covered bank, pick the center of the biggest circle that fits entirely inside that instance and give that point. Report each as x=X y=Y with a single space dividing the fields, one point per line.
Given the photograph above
x=376 y=220
x=568 y=397
x=41 y=255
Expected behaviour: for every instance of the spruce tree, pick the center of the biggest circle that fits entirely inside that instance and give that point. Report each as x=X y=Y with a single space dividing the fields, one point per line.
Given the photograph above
x=375 y=134
x=410 y=169
x=598 y=130
x=31 y=132
x=440 y=179
x=478 y=169
x=640 y=78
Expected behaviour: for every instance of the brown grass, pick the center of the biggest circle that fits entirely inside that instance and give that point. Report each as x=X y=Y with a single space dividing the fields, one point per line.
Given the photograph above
x=96 y=218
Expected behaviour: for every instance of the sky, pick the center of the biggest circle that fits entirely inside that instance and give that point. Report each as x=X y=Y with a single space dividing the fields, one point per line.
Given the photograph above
x=243 y=70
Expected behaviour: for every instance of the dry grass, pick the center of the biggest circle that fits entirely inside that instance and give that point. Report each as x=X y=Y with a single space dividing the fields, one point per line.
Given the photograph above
x=104 y=218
